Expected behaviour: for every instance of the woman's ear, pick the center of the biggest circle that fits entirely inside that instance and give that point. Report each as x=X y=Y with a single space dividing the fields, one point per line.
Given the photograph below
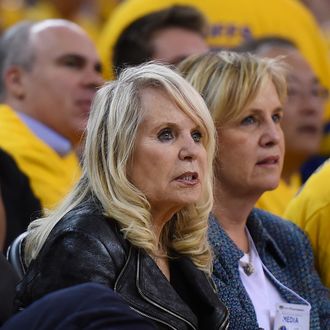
x=13 y=81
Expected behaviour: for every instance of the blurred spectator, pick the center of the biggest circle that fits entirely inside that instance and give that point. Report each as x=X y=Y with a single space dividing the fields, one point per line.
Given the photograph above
x=168 y=35
x=82 y=12
x=105 y=8
x=310 y=209
x=87 y=306
x=89 y=14
x=50 y=71
x=18 y=206
x=231 y=23
x=8 y=282
x=2 y=223
x=302 y=122
x=321 y=11
x=11 y=11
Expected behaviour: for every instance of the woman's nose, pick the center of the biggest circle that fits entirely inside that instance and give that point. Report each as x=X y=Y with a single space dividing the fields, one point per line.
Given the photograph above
x=272 y=135
x=188 y=150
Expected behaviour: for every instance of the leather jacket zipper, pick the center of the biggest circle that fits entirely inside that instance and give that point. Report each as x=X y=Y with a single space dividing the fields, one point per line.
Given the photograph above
x=138 y=311
x=123 y=269
x=155 y=303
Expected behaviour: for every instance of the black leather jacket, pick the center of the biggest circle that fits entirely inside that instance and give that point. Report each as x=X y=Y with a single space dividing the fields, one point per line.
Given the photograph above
x=86 y=246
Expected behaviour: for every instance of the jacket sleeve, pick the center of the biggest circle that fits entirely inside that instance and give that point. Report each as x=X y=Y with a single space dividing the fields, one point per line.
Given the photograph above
x=73 y=257
x=323 y=301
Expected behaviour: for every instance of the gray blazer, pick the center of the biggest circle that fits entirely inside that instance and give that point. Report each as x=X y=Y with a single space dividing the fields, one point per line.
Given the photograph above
x=286 y=252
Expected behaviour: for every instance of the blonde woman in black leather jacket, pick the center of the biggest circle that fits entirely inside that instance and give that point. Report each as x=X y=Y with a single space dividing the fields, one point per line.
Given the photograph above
x=137 y=219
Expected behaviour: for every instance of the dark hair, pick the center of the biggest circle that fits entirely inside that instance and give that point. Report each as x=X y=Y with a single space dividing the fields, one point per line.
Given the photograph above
x=257 y=45
x=134 y=46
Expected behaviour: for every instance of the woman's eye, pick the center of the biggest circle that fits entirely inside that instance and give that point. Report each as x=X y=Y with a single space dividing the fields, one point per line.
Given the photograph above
x=277 y=117
x=165 y=135
x=249 y=120
x=197 y=136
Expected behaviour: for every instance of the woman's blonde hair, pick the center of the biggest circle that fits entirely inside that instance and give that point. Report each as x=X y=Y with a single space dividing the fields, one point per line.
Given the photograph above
x=228 y=81
x=110 y=138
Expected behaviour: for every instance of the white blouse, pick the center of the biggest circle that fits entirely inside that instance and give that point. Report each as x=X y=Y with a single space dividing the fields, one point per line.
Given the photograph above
x=261 y=290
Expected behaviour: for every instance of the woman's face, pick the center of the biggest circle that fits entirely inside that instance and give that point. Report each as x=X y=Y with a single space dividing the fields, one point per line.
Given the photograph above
x=169 y=161
x=251 y=148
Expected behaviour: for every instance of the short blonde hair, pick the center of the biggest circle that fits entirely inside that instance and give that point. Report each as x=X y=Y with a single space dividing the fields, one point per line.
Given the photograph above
x=110 y=139
x=229 y=81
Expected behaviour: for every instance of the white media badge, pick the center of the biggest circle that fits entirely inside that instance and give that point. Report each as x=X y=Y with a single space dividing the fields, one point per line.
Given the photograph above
x=292 y=317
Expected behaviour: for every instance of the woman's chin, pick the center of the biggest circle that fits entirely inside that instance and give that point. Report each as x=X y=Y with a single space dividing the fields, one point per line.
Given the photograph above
x=266 y=186
x=271 y=186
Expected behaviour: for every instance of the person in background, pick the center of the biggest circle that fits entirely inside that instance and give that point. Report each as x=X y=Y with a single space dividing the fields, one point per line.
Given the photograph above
x=302 y=122
x=87 y=306
x=320 y=9
x=310 y=210
x=263 y=265
x=137 y=219
x=11 y=13
x=3 y=225
x=8 y=282
x=231 y=23
x=49 y=74
x=89 y=15
x=19 y=205
x=167 y=35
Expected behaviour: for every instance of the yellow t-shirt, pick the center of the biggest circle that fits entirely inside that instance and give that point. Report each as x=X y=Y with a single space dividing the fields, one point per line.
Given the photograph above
x=276 y=201
x=51 y=176
x=310 y=210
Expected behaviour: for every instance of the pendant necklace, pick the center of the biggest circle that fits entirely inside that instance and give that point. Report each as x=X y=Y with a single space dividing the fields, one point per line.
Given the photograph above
x=247 y=264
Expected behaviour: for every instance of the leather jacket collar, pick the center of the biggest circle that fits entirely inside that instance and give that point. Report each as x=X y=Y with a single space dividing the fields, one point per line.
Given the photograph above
x=137 y=280
x=95 y=241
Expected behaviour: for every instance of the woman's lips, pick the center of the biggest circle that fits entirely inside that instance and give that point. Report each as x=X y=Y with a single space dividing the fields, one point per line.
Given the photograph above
x=188 y=178
x=269 y=161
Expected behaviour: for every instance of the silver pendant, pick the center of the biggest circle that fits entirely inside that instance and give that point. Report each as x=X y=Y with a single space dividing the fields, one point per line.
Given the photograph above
x=248 y=269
